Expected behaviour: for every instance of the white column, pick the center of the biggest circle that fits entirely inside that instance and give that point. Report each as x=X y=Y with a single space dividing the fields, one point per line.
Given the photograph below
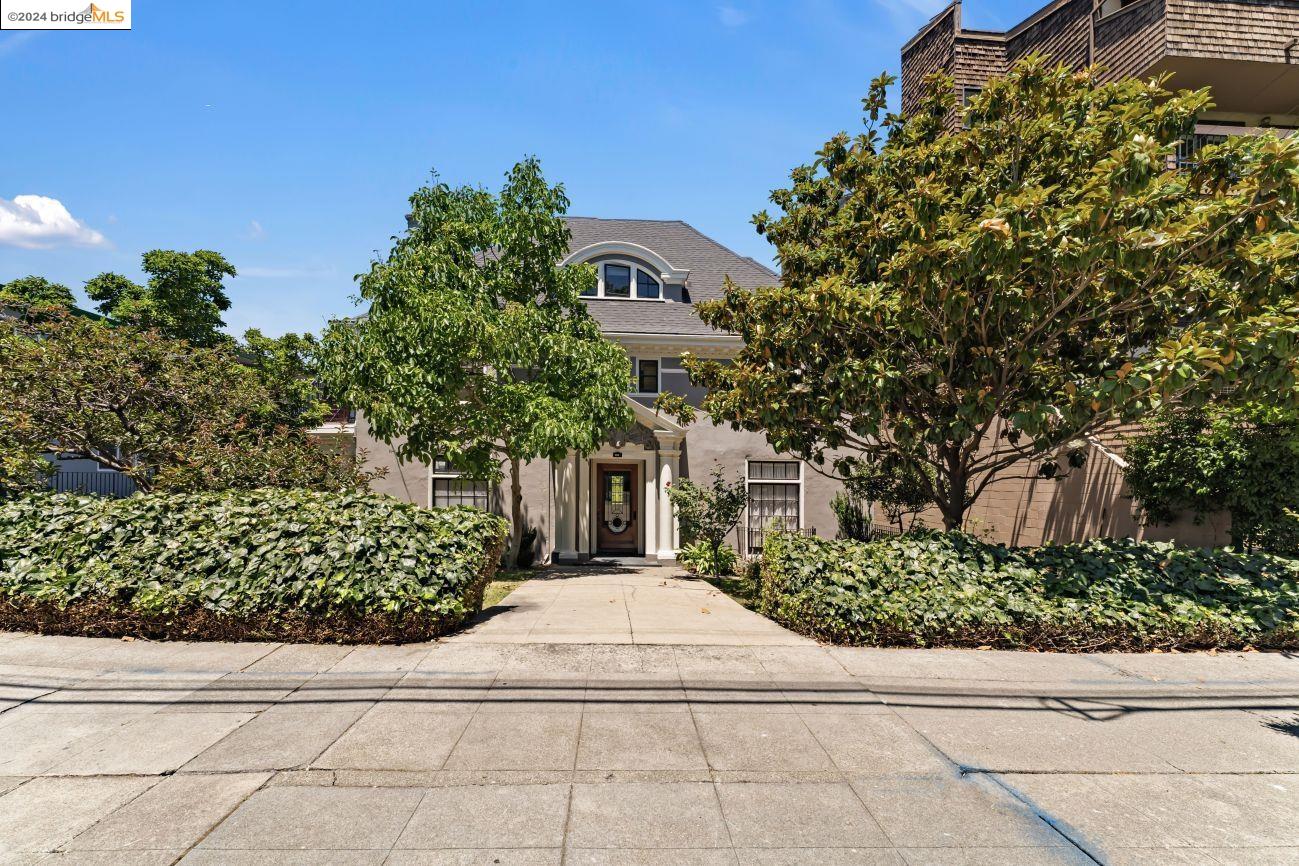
x=669 y=472
x=650 y=509
x=583 y=476
x=564 y=484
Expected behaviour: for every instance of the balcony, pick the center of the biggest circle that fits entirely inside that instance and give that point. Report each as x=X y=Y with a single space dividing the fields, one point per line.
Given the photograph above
x=1247 y=53
x=1207 y=134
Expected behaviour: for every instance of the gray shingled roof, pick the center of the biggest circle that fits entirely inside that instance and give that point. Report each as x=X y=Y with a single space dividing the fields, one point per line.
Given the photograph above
x=683 y=246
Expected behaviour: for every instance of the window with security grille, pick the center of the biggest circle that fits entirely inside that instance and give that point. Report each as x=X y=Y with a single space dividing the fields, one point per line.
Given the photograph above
x=775 y=497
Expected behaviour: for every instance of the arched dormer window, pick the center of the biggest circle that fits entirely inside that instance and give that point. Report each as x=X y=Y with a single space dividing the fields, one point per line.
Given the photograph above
x=627 y=271
x=616 y=279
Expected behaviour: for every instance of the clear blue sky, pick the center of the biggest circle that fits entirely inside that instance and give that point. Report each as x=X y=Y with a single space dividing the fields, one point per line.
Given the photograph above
x=287 y=136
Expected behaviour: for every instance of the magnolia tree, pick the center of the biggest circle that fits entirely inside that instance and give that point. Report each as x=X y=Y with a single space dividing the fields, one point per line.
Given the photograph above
x=961 y=299
x=477 y=348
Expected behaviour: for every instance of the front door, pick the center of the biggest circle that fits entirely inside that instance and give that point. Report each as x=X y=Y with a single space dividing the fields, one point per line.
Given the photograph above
x=618 y=512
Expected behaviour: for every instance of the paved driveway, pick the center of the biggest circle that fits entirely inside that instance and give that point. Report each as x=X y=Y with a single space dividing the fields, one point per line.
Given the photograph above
x=681 y=730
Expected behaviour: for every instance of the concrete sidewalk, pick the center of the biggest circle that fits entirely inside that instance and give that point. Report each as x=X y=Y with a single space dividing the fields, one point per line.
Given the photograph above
x=516 y=742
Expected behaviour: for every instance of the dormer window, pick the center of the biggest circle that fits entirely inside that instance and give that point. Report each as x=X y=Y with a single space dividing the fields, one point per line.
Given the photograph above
x=647 y=286
x=616 y=280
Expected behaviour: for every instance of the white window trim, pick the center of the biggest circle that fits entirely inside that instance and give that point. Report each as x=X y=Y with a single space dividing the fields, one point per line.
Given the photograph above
x=451 y=474
x=635 y=376
x=634 y=267
x=802 y=488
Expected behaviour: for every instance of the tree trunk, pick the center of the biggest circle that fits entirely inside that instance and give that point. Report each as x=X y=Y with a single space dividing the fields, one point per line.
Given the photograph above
x=952 y=493
x=715 y=571
x=516 y=514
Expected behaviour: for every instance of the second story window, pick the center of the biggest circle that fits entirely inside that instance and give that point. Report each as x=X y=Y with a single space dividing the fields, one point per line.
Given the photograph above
x=645 y=375
x=625 y=280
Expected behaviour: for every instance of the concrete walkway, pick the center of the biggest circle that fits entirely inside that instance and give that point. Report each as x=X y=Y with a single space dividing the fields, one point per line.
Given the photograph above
x=626 y=605
x=728 y=741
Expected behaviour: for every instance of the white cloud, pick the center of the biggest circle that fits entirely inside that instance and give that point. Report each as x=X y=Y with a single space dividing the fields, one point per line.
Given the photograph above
x=39 y=222
x=255 y=231
x=731 y=17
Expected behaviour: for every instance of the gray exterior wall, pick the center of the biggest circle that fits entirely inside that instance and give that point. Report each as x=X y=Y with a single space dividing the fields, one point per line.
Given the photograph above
x=404 y=480
x=706 y=445
x=709 y=445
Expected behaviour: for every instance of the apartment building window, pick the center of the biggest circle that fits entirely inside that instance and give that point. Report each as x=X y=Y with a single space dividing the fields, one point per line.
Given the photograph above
x=775 y=496
x=968 y=95
x=1109 y=7
x=449 y=487
x=645 y=375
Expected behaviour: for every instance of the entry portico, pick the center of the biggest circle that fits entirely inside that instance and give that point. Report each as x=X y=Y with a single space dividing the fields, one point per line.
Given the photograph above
x=615 y=502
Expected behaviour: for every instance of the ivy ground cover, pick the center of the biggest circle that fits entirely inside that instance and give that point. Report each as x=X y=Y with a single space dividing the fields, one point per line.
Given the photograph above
x=243 y=565
x=948 y=589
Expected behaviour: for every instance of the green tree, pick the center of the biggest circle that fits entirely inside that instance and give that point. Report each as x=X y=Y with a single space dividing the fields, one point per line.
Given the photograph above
x=287 y=367
x=22 y=468
x=895 y=486
x=963 y=299
x=35 y=293
x=476 y=347
x=183 y=300
x=707 y=514
x=168 y=414
x=1241 y=460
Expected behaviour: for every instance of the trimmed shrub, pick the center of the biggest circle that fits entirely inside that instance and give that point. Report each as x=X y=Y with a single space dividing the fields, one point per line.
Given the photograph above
x=949 y=589
x=248 y=564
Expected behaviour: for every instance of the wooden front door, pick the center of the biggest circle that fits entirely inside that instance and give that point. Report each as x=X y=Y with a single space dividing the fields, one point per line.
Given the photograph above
x=617 y=516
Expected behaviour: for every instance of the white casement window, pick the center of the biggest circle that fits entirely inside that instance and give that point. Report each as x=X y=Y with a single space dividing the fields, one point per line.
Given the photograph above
x=448 y=487
x=625 y=280
x=775 y=496
x=646 y=376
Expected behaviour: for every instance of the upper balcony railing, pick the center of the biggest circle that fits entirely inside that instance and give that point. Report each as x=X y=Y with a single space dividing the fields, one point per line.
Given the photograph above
x=1211 y=133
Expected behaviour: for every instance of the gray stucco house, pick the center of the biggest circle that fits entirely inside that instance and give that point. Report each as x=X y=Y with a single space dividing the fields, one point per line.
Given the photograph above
x=614 y=502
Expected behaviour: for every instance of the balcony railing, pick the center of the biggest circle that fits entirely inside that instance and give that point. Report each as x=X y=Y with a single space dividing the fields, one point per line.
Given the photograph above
x=112 y=484
x=1188 y=149
x=1207 y=134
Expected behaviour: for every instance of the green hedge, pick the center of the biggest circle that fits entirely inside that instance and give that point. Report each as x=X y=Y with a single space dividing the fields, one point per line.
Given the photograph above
x=948 y=589
x=270 y=564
